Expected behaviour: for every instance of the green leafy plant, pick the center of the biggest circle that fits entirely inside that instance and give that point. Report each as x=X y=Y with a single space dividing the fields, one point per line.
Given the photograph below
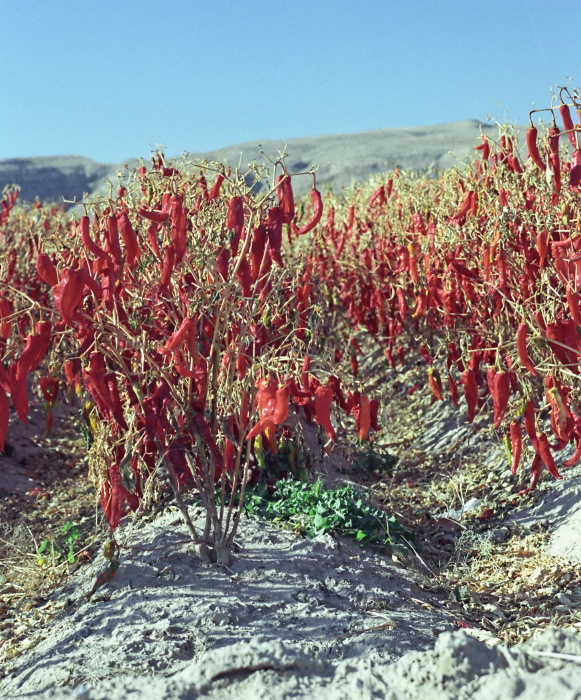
x=61 y=550
x=314 y=510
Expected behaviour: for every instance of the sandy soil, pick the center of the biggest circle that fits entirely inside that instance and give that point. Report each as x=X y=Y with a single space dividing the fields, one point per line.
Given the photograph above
x=292 y=618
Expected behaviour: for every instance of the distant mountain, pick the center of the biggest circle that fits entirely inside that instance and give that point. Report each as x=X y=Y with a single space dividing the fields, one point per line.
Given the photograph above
x=341 y=158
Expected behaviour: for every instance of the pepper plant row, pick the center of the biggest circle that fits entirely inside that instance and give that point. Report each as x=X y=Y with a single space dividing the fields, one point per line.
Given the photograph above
x=173 y=308
x=479 y=269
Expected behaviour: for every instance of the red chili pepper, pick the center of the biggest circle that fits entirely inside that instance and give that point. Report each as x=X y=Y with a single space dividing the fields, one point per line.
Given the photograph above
x=88 y=242
x=46 y=270
x=323 y=399
x=274 y=234
x=179 y=220
x=573 y=304
x=215 y=191
x=500 y=396
x=536 y=468
x=533 y=149
x=378 y=196
x=576 y=456
x=222 y=263
x=453 y=386
x=317 y=214
x=257 y=250
x=529 y=423
x=244 y=277
x=18 y=392
x=362 y=413
x=565 y=113
x=544 y=450
x=435 y=383
x=168 y=265
x=521 y=346
x=575 y=172
x=273 y=407
x=68 y=293
x=129 y=237
x=468 y=379
x=516 y=445
x=112 y=240
x=286 y=198
x=154 y=215
x=35 y=349
x=152 y=239
x=177 y=338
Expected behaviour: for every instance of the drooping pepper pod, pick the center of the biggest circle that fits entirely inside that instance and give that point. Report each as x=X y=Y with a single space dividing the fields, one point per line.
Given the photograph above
x=235 y=221
x=179 y=337
x=68 y=294
x=317 y=214
x=35 y=348
x=274 y=234
x=435 y=383
x=323 y=399
x=544 y=451
x=521 y=346
x=286 y=198
x=500 y=396
x=533 y=149
x=88 y=242
x=215 y=191
x=46 y=270
x=361 y=411
x=470 y=392
x=516 y=445
x=132 y=250
x=272 y=404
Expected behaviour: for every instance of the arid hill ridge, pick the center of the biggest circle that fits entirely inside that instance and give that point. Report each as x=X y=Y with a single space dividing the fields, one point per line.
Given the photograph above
x=341 y=158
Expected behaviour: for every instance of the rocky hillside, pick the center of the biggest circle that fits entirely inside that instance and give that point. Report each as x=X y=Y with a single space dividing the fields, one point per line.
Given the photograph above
x=341 y=158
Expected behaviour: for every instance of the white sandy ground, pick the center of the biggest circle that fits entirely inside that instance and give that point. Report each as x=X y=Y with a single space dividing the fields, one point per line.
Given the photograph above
x=292 y=618
x=286 y=621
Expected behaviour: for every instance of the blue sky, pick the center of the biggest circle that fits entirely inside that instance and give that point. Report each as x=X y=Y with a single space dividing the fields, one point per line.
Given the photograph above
x=113 y=79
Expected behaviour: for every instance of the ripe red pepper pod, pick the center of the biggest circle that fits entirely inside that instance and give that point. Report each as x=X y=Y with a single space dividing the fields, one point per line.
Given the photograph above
x=235 y=216
x=484 y=147
x=521 y=347
x=35 y=349
x=112 y=240
x=178 y=338
x=516 y=445
x=529 y=423
x=132 y=252
x=317 y=214
x=378 y=196
x=568 y=125
x=88 y=242
x=535 y=473
x=244 y=277
x=286 y=198
x=154 y=215
x=435 y=383
x=500 y=396
x=533 y=149
x=168 y=265
x=544 y=450
x=18 y=392
x=362 y=416
x=468 y=379
x=575 y=172
x=323 y=399
x=46 y=270
x=68 y=293
x=215 y=191
x=274 y=234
